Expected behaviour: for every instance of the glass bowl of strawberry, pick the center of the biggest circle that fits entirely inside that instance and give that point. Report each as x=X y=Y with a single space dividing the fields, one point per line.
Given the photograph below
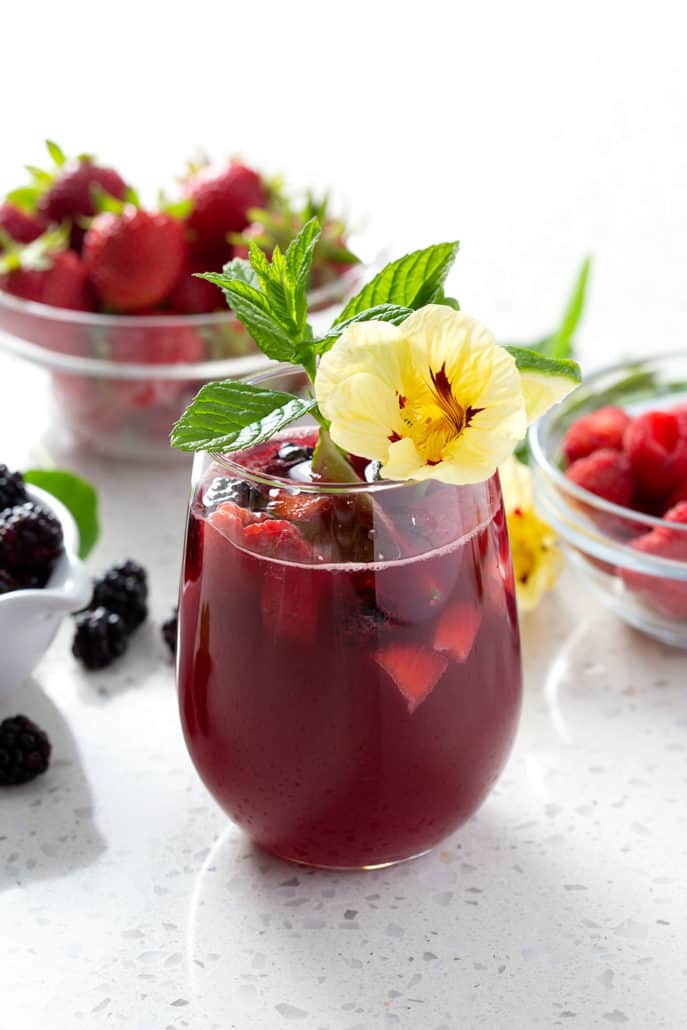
x=104 y=293
x=610 y=475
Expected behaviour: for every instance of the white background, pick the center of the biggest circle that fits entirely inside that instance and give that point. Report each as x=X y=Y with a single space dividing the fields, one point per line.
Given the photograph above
x=536 y=132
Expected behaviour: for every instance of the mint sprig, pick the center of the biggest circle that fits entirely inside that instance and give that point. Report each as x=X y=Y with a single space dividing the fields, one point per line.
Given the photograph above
x=230 y=416
x=270 y=299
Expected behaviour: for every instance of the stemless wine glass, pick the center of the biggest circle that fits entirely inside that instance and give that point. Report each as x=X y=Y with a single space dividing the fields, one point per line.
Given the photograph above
x=349 y=659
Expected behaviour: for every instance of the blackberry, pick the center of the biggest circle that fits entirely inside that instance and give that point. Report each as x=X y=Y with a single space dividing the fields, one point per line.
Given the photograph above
x=373 y=471
x=30 y=543
x=294 y=453
x=24 y=751
x=170 y=630
x=100 y=637
x=239 y=491
x=288 y=456
x=7 y=584
x=12 y=489
x=123 y=589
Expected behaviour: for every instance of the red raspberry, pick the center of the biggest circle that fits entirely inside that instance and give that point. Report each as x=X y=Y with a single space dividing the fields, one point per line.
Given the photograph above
x=667 y=596
x=600 y=430
x=679 y=494
x=605 y=473
x=656 y=444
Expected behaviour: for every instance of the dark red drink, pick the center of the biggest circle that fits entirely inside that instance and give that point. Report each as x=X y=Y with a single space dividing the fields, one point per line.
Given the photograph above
x=349 y=668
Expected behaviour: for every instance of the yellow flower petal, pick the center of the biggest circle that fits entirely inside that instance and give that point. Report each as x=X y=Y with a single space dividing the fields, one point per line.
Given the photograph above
x=537 y=558
x=432 y=398
x=375 y=347
x=364 y=414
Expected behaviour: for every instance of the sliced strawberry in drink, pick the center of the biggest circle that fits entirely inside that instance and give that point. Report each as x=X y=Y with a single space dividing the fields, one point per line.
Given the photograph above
x=309 y=511
x=231 y=519
x=276 y=538
x=415 y=670
x=457 y=628
x=290 y=604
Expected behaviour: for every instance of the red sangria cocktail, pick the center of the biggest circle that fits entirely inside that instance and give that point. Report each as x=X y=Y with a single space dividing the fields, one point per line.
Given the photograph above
x=349 y=662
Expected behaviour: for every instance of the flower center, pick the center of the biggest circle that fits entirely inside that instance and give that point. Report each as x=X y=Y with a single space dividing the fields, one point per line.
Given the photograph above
x=432 y=415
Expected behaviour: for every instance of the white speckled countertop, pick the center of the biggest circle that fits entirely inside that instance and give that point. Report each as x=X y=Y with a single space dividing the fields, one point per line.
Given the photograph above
x=127 y=899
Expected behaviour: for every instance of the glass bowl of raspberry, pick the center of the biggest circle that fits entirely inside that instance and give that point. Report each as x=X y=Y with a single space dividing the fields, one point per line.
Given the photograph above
x=119 y=382
x=610 y=476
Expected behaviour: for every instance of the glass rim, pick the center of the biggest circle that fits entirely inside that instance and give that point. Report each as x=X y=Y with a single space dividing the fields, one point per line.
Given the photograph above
x=324 y=487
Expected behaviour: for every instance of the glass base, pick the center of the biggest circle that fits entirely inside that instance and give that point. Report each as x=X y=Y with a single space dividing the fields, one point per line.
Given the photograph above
x=345 y=868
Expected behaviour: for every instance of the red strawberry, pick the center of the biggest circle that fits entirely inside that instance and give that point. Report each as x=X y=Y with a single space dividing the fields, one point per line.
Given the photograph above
x=70 y=197
x=192 y=296
x=600 y=430
x=656 y=444
x=134 y=258
x=63 y=285
x=273 y=538
x=457 y=628
x=20 y=225
x=415 y=670
x=311 y=512
x=231 y=519
x=222 y=195
x=668 y=596
x=607 y=474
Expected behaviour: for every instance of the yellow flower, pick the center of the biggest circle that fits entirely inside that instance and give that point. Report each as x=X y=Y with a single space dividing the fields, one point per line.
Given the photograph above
x=537 y=560
x=432 y=398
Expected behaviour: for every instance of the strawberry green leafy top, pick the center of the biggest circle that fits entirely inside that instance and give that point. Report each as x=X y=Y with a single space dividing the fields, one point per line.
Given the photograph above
x=403 y=376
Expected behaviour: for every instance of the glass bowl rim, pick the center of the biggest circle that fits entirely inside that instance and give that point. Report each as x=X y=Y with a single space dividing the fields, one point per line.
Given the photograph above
x=212 y=368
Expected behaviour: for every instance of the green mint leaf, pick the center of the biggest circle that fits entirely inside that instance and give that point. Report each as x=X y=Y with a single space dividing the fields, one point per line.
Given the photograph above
x=411 y=281
x=240 y=268
x=441 y=298
x=252 y=308
x=270 y=300
x=276 y=286
x=78 y=497
x=56 y=153
x=299 y=258
x=230 y=415
x=393 y=313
